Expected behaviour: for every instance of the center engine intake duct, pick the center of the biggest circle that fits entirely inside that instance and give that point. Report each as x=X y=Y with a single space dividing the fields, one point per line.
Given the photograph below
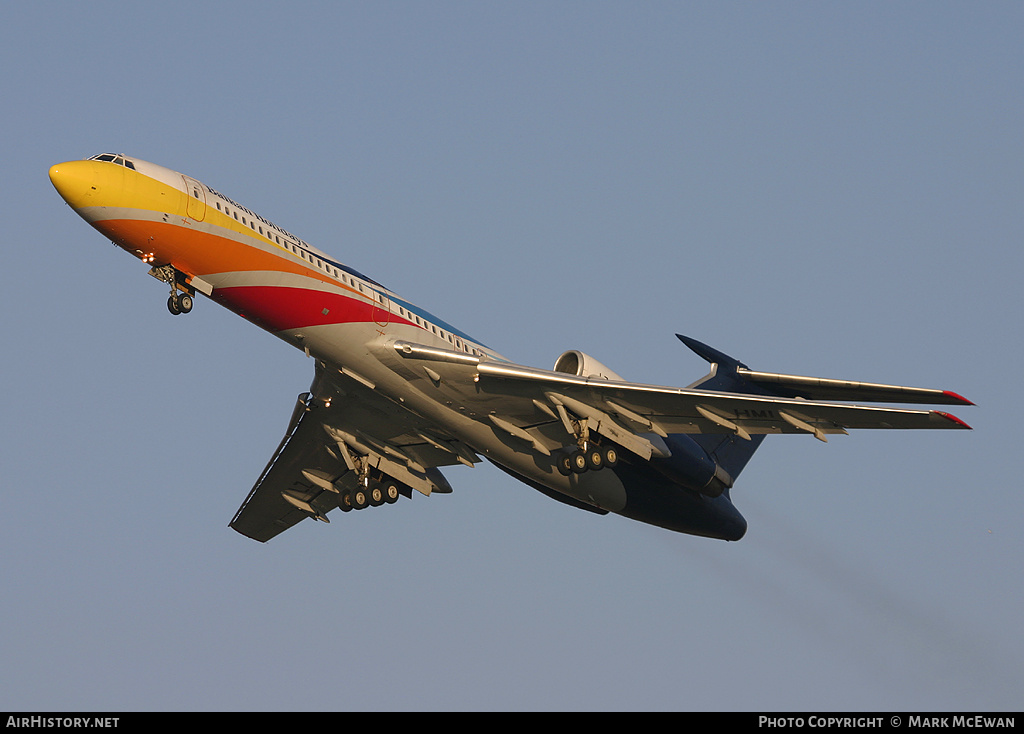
x=575 y=362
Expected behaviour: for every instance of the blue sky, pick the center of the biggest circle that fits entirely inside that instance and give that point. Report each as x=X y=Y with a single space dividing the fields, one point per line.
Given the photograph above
x=824 y=189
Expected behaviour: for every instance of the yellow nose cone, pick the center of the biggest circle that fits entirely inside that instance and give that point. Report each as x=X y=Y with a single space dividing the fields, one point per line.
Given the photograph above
x=80 y=182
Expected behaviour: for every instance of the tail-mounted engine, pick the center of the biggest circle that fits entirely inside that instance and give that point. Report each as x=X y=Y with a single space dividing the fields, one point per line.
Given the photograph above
x=577 y=363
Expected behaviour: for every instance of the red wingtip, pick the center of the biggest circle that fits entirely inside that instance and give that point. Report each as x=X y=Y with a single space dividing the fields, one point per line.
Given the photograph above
x=950 y=416
x=958 y=398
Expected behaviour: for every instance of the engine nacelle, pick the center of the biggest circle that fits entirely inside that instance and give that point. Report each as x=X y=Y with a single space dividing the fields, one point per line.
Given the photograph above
x=690 y=466
x=575 y=362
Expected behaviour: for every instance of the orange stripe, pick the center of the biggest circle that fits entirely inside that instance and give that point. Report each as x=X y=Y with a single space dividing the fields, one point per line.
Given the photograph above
x=201 y=253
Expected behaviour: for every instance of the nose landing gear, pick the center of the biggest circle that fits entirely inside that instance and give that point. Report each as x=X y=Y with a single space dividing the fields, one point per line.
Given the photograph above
x=177 y=303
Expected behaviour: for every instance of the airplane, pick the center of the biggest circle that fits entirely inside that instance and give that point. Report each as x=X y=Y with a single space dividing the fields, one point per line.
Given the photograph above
x=398 y=394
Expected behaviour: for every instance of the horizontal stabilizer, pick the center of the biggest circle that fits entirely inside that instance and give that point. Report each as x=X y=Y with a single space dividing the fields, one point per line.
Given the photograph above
x=709 y=354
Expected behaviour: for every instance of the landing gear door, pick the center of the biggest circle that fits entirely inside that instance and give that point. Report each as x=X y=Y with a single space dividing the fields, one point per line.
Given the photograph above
x=195 y=207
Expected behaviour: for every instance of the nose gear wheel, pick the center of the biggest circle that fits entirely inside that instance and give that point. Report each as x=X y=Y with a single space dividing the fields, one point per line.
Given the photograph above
x=177 y=303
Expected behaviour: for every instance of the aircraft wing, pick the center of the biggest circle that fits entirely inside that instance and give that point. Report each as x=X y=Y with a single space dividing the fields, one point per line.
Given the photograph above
x=629 y=413
x=330 y=438
x=679 y=410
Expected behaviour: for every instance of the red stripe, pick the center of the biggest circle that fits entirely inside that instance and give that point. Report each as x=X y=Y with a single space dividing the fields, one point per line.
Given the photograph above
x=279 y=308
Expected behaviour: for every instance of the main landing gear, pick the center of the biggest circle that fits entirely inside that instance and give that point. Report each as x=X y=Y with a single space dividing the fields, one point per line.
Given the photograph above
x=177 y=303
x=373 y=493
x=576 y=460
x=586 y=455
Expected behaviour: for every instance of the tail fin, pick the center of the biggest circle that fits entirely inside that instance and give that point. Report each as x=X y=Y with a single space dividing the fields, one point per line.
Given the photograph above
x=729 y=451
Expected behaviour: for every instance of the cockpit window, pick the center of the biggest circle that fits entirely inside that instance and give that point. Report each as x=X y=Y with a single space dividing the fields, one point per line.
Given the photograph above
x=111 y=158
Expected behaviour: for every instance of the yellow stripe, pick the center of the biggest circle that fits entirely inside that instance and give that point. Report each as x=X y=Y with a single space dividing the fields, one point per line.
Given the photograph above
x=97 y=184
